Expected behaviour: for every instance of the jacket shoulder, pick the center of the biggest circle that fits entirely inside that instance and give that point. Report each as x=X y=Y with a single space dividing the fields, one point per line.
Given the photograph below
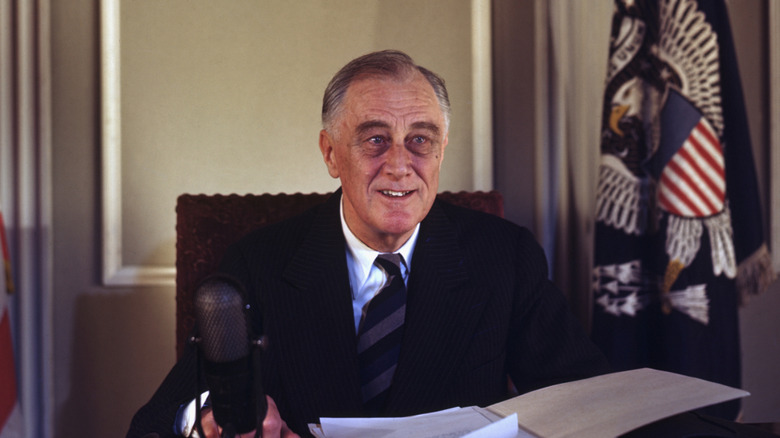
x=495 y=237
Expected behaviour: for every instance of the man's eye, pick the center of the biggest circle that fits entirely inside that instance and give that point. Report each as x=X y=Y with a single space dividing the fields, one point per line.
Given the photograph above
x=419 y=139
x=376 y=140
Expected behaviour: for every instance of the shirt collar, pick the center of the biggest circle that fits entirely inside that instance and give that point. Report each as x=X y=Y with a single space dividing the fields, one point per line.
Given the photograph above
x=364 y=256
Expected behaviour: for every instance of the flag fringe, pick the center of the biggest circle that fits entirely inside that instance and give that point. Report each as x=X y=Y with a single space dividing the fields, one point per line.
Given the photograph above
x=755 y=274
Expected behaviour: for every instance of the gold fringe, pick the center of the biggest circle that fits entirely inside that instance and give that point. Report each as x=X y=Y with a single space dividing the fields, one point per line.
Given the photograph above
x=755 y=274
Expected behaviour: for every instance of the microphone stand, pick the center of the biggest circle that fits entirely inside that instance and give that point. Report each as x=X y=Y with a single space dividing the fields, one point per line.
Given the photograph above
x=261 y=403
x=195 y=340
x=228 y=431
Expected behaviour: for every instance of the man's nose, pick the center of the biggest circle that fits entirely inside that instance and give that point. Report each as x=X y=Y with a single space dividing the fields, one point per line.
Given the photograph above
x=398 y=159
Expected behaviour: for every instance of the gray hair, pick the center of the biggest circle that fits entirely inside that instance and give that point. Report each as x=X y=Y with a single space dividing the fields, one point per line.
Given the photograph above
x=386 y=63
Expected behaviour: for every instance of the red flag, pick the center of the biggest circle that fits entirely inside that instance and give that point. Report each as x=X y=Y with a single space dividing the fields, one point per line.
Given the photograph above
x=10 y=417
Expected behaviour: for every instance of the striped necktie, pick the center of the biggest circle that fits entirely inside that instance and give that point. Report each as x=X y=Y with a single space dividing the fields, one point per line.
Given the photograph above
x=380 y=333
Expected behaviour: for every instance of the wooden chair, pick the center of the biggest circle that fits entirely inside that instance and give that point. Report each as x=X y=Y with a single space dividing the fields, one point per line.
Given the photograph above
x=207 y=224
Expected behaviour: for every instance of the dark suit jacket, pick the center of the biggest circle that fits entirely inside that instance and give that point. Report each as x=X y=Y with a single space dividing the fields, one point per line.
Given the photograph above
x=479 y=308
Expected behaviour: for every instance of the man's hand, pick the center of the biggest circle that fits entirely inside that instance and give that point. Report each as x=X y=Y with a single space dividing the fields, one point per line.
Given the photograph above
x=273 y=425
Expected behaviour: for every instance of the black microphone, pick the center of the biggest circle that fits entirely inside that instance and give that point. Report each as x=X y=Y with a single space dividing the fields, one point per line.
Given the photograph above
x=233 y=378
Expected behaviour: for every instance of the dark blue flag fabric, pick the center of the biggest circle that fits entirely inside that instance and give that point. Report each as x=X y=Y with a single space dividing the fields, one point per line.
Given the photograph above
x=679 y=238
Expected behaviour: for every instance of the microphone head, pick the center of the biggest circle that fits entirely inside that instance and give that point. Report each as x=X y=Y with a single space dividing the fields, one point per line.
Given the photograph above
x=219 y=311
x=228 y=365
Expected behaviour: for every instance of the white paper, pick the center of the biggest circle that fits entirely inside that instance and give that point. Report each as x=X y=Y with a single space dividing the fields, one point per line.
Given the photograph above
x=449 y=423
x=602 y=406
x=503 y=428
x=612 y=404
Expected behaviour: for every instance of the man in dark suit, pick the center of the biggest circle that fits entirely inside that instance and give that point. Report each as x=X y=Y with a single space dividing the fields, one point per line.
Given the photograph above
x=476 y=304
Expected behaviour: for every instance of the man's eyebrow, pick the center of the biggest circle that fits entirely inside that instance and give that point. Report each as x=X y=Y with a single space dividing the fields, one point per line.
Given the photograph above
x=371 y=124
x=428 y=126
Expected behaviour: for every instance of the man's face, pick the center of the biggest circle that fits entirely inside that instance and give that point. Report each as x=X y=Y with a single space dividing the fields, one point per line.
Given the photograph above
x=387 y=147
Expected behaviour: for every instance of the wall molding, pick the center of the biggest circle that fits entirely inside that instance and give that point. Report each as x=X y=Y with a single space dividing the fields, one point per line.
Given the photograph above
x=115 y=272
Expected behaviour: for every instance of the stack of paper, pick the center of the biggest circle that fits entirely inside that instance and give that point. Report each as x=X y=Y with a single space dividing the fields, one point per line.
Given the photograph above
x=603 y=406
x=471 y=422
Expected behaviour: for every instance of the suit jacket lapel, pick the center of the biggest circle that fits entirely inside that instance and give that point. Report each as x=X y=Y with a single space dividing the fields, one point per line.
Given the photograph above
x=442 y=311
x=319 y=276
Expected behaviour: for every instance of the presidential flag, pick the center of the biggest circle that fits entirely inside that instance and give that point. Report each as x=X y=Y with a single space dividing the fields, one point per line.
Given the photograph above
x=10 y=417
x=679 y=240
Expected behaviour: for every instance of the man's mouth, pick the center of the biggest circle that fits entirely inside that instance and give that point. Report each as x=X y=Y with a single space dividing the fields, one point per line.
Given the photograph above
x=395 y=194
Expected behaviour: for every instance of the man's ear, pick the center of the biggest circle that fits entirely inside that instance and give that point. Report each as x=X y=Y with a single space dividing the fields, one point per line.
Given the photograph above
x=327 y=146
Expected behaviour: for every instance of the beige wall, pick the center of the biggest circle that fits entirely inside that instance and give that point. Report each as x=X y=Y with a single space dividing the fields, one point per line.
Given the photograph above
x=113 y=345
x=224 y=97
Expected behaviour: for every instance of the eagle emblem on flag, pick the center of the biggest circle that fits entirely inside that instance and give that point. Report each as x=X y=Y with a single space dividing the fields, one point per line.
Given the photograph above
x=662 y=157
x=679 y=238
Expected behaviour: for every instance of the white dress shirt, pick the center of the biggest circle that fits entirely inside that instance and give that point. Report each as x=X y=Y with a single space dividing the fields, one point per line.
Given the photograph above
x=366 y=278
